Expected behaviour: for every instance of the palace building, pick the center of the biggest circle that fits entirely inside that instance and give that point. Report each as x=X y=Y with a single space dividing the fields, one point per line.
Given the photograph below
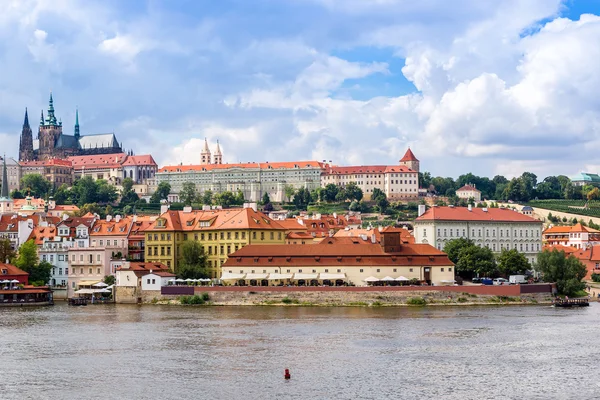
x=51 y=142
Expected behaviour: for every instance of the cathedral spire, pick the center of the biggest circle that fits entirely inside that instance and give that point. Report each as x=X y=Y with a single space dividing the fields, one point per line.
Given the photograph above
x=77 y=134
x=4 y=193
x=42 y=119
x=26 y=122
x=51 y=119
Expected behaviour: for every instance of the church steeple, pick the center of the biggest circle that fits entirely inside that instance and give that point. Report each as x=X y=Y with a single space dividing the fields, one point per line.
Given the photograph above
x=51 y=119
x=218 y=156
x=76 y=134
x=42 y=119
x=205 y=154
x=26 y=141
x=4 y=192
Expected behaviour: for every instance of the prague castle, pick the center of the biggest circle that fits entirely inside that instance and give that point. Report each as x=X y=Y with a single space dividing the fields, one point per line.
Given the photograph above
x=52 y=143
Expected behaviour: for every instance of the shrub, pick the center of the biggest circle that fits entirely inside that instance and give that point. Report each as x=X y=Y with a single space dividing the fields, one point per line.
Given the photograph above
x=205 y=296
x=287 y=300
x=191 y=300
x=377 y=304
x=462 y=300
x=416 y=301
x=596 y=277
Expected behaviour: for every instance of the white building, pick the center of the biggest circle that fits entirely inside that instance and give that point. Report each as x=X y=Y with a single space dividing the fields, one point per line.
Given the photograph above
x=495 y=228
x=469 y=192
x=155 y=280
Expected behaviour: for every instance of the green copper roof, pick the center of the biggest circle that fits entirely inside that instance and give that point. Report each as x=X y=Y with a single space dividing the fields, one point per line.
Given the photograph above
x=586 y=177
x=51 y=119
x=76 y=134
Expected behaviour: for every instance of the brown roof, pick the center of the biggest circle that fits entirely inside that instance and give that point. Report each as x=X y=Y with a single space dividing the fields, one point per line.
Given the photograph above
x=10 y=222
x=145 y=266
x=98 y=161
x=11 y=269
x=232 y=218
x=367 y=169
x=291 y=224
x=139 y=226
x=335 y=255
x=140 y=160
x=566 y=249
x=476 y=214
x=468 y=188
x=409 y=156
x=405 y=235
x=40 y=233
x=163 y=273
x=577 y=228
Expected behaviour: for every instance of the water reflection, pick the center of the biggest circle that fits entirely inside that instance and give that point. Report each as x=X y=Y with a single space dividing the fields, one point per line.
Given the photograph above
x=133 y=352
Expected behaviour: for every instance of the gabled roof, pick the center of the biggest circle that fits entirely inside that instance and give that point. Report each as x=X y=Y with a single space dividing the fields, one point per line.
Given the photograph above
x=586 y=177
x=476 y=214
x=140 y=160
x=409 y=156
x=11 y=270
x=199 y=220
x=577 y=228
x=367 y=169
x=98 y=161
x=112 y=227
x=10 y=222
x=101 y=140
x=40 y=233
x=66 y=142
x=257 y=166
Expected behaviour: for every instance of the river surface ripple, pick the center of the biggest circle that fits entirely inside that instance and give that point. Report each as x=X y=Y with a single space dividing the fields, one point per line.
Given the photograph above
x=168 y=352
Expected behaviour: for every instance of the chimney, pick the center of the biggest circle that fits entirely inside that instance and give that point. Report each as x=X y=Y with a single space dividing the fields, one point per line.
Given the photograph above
x=108 y=218
x=373 y=238
x=187 y=209
x=484 y=209
x=335 y=215
x=422 y=209
x=380 y=228
x=164 y=208
x=206 y=207
x=117 y=218
x=65 y=217
x=470 y=207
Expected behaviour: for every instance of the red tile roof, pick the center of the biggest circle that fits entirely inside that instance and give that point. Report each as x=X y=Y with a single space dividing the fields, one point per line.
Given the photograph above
x=10 y=222
x=11 y=270
x=476 y=214
x=164 y=274
x=577 y=228
x=59 y=162
x=468 y=188
x=265 y=165
x=112 y=227
x=366 y=169
x=409 y=156
x=140 y=160
x=335 y=255
x=40 y=233
x=98 y=161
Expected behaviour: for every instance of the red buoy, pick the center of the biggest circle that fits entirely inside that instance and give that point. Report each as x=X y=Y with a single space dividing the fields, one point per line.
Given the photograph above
x=287 y=374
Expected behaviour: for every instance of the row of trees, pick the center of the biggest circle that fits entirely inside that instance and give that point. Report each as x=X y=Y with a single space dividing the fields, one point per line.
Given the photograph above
x=523 y=188
x=555 y=266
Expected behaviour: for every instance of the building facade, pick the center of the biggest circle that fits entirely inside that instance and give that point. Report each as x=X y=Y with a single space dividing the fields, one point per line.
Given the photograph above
x=334 y=263
x=495 y=228
x=576 y=236
x=220 y=232
x=469 y=192
x=13 y=173
x=399 y=182
x=52 y=143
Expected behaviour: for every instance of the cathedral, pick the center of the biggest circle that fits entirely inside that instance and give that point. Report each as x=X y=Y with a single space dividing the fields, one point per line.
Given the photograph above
x=51 y=142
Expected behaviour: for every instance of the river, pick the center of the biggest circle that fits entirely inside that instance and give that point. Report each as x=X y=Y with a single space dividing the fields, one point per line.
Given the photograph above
x=172 y=352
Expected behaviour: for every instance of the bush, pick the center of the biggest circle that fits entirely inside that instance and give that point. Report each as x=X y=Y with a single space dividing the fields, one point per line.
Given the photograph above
x=287 y=300
x=416 y=301
x=596 y=277
x=195 y=300
x=462 y=300
x=205 y=296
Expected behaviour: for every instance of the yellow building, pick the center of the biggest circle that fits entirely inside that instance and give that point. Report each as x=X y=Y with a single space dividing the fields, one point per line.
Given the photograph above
x=221 y=232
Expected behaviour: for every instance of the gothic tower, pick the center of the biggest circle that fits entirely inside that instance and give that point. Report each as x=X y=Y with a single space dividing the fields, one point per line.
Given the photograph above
x=218 y=157
x=76 y=132
x=48 y=133
x=205 y=154
x=26 y=142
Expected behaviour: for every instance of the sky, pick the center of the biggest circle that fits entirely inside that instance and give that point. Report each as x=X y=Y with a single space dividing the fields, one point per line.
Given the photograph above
x=483 y=86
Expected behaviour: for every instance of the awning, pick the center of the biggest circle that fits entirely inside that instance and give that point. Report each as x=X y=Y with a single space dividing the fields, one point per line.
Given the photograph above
x=402 y=278
x=228 y=277
x=87 y=283
x=448 y=281
x=92 y=291
x=332 y=277
x=257 y=277
x=388 y=279
x=371 y=279
x=274 y=277
x=100 y=284
x=306 y=277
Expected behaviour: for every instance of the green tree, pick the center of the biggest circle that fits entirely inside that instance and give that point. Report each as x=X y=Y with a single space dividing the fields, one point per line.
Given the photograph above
x=36 y=185
x=454 y=246
x=225 y=199
x=239 y=198
x=567 y=271
x=353 y=192
x=28 y=261
x=443 y=184
x=329 y=192
x=265 y=198
x=380 y=199
x=187 y=193
x=61 y=195
x=424 y=180
x=109 y=280
x=207 y=197
x=511 y=262
x=105 y=192
x=16 y=194
x=302 y=198
x=193 y=261
x=6 y=251
x=128 y=195
x=593 y=194
x=92 y=208
x=478 y=260
x=341 y=196
x=162 y=192
x=289 y=192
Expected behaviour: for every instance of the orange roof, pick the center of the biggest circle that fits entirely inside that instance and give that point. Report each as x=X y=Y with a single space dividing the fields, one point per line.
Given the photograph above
x=140 y=160
x=31 y=163
x=39 y=203
x=566 y=249
x=577 y=228
x=476 y=214
x=10 y=222
x=367 y=169
x=299 y=235
x=144 y=266
x=11 y=270
x=58 y=161
x=112 y=227
x=405 y=235
x=335 y=254
x=98 y=161
x=265 y=165
x=291 y=224
x=468 y=188
x=409 y=156
x=40 y=233
x=139 y=226
x=200 y=220
x=66 y=207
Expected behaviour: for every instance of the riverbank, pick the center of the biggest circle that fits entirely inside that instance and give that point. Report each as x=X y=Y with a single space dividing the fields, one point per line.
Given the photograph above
x=357 y=299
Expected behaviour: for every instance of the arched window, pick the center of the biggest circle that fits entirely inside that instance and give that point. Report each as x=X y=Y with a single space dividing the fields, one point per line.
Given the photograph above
x=131 y=174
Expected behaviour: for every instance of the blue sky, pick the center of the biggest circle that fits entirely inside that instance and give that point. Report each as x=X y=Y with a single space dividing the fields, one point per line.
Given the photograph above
x=472 y=86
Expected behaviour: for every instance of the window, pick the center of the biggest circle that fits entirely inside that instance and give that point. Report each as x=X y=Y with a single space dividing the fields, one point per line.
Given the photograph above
x=90 y=271
x=162 y=251
x=361 y=270
x=228 y=235
x=243 y=235
x=168 y=250
x=168 y=236
x=262 y=236
x=449 y=269
x=450 y=232
x=98 y=257
x=115 y=243
x=253 y=235
x=222 y=235
x=162 y=236
x=378 y=270
x=81 y=258
x=153 y=281
x=222 y=249
x=228 y=249
x=66 y=271
x=148 y=281
x=210 y=236
x=202 y=236
x=410 y=270
x=442 y=269
x=424 y=232
x=394 y=270
x=445 y=232
x=101 y=242
x=81 y=271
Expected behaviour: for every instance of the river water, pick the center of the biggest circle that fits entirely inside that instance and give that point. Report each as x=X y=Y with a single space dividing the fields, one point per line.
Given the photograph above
x=168 y=352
